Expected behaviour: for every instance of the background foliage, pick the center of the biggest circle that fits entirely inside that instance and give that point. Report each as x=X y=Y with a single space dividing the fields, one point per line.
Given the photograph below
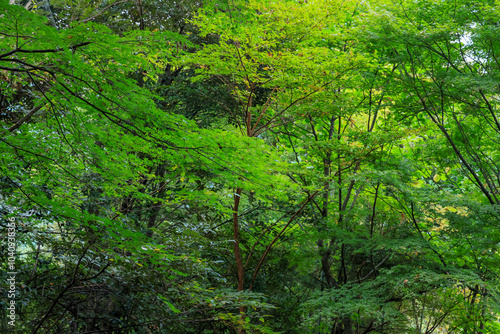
x=251 y=167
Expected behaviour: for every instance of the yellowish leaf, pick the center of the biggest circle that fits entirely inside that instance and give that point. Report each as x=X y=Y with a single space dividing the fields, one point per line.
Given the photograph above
x=417 y=183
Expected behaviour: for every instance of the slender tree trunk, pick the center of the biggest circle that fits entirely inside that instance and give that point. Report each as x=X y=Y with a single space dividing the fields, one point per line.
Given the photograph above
x=236 y=236
x=240 y=268
x=347 y=326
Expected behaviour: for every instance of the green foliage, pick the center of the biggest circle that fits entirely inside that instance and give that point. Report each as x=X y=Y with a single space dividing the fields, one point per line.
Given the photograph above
x=258 y=167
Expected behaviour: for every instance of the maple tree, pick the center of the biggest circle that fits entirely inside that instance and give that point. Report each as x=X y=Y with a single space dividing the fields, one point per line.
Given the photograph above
x=260 y=167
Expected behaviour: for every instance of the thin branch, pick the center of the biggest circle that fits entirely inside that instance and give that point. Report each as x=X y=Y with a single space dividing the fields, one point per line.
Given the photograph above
x=268 y=249
x=19 y=50
x=104 y=9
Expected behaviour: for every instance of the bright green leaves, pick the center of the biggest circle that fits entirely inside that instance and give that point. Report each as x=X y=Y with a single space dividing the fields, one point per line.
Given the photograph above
x=263 y=52
x=359 y=142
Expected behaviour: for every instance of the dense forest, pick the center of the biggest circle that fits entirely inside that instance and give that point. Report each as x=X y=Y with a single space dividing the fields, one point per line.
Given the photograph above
x=250 y=166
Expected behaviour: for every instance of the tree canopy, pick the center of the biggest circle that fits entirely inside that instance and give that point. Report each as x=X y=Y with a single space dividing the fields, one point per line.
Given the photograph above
x=295 y=166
